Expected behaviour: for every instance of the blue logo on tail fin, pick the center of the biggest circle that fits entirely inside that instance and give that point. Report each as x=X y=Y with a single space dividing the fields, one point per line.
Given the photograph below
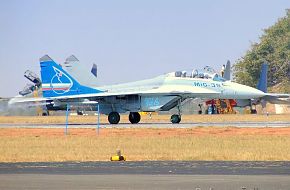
x=60 y=83
x=57 y=82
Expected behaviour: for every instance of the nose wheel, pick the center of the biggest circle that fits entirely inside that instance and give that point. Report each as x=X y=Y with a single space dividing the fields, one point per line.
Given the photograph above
x=134 y=117
x=114 y=118
x=175 y=118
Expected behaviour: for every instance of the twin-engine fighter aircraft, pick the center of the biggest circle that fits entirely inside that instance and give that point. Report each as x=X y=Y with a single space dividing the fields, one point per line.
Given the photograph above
x=158 y=94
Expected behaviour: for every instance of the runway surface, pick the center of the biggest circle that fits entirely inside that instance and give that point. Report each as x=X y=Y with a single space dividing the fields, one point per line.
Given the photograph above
x=146 y=175
x=154 y=125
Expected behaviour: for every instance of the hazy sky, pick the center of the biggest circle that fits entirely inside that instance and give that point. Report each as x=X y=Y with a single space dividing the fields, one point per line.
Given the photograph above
x=128 y=40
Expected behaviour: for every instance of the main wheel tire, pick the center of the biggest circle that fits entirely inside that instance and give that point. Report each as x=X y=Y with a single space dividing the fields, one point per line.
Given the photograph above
x=134 y=117
x=114 y=118
x=175 y=118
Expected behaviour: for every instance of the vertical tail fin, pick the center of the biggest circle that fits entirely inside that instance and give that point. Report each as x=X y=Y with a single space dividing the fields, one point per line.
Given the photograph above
x=57 y=82
x=81 y=73
x=262 y=84
x=94 y=70
x=227 y=74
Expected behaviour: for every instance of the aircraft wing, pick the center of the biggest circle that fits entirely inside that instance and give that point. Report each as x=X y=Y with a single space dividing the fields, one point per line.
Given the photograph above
x=23 y=99
x=169 y=90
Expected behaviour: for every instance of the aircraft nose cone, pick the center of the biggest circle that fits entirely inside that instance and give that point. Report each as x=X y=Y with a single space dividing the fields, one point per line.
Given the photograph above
x=247 y=92
x=255 y=92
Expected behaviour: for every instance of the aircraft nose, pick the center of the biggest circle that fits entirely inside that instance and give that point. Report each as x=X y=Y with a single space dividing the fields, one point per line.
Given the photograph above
x=255 y=92
x=247 y=92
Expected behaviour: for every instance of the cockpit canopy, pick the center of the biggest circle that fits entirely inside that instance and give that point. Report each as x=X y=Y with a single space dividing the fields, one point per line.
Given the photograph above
x=206 y=73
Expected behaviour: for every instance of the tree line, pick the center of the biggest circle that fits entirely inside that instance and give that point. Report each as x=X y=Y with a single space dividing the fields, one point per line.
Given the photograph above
x=273 y=49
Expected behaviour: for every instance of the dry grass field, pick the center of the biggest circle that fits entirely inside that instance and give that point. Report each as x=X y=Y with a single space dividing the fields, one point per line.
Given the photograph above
x=145 y=118
x=200 y=143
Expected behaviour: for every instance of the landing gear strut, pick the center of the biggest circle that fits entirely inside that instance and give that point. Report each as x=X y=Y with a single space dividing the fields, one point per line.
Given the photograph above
x=253 y=107
x=134 y=117
x=114 y=118
x=175 y=118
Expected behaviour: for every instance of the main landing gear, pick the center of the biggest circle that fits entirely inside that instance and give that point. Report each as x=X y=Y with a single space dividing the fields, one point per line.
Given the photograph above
x=114 y=117
x=134 y=117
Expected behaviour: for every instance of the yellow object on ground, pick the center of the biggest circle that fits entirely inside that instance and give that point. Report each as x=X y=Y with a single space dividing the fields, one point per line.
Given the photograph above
x=118 y=158
x=148 y=113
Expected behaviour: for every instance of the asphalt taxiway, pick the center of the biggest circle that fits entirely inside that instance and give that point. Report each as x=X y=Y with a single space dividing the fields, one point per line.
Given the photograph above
x=154 y=125
x=195 y=175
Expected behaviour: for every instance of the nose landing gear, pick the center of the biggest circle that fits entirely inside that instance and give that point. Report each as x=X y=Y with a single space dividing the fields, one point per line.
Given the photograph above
x=175 y=118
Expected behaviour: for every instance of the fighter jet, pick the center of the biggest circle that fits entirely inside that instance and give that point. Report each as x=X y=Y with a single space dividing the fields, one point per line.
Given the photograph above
x=161 y=93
